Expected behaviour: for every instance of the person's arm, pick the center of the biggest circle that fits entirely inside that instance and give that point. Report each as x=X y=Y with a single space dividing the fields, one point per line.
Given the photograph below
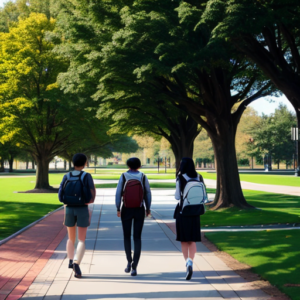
x=119 y=194
x=148 y=196
x=61 y=186
x=91 y=186
x=177 y=193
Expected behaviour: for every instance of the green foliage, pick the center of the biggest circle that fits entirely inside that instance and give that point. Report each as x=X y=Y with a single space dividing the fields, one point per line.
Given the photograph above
x=13 y=10
x=34 y=111
x=273 y=135
x=99 y=70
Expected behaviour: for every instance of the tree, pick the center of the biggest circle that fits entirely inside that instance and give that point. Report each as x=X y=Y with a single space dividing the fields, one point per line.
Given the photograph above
x=268 y=33
x=12 y=10
x=120 y=97
x=164 y=47
x=249 y=119
x=213 y=83
x=33 y=109
x=273 y=134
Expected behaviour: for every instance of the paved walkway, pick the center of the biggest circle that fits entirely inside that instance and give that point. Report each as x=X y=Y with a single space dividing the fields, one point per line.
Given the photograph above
x=161 y=272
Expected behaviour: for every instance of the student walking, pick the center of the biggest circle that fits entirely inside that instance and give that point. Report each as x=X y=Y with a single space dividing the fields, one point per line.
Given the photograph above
x=77 y=191
x=188 y=217
x=133 y=191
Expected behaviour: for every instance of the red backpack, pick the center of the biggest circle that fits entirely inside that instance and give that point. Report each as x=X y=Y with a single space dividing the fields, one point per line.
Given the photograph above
x=133 y=192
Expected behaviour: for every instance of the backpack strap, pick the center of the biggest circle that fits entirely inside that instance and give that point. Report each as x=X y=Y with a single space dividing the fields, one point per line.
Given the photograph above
x=69 y=175
x=82 y=176
x=124 y=181
x=180 y=179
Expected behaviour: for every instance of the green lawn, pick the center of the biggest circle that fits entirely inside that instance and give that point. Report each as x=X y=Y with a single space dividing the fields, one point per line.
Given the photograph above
x=262 y=178
x=111 y=174
x=273 y=209
x=254 y=178
x=272 y=254
x=19 y=210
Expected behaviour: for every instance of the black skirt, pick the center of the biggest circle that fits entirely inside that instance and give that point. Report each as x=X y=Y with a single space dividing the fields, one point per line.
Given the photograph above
x=188 y=228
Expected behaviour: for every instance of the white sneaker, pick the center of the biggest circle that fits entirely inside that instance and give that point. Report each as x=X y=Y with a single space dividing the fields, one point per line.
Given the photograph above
x=189 y=269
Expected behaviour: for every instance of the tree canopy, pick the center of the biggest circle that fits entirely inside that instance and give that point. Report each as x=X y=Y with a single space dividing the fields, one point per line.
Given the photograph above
x=33 y=109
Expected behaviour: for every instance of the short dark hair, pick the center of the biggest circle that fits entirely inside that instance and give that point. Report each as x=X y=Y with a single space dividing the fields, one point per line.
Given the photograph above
x=133 y=163
x=79 y=160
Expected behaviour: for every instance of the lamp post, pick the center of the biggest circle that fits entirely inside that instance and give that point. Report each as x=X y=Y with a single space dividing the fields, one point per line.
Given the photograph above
x=295 y=137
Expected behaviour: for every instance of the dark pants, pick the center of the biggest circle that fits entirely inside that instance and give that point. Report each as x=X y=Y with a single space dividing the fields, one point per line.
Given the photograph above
x=137 y=215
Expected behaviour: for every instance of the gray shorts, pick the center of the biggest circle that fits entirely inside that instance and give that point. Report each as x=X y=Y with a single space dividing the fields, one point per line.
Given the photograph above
x=77 y=215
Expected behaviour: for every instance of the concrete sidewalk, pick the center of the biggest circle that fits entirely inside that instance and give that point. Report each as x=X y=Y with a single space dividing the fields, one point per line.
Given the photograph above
x=161 y=272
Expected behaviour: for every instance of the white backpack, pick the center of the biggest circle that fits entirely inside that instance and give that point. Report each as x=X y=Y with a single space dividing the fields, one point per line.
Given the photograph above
x=193 y=198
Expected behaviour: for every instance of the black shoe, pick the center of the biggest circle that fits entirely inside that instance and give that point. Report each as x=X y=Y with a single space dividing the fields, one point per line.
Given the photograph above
x=133 y=271
x=189 y=272
x=71 y=264
x=76 y=270
x=128 y=268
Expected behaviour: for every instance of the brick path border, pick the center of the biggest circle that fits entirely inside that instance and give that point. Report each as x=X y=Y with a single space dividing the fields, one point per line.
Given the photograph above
x=24 y=256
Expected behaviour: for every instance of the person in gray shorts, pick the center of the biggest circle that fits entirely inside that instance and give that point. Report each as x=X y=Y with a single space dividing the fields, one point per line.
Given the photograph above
x=77 y=216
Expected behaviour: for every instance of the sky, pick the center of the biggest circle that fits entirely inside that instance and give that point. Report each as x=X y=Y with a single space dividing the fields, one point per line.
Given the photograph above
x=267 y=105
x=2 y=2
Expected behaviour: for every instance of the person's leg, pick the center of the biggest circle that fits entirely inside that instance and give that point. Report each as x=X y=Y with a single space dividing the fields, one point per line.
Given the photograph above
x=192 y=250
x=81 y=244
x=137 y=235
x=191 y=247
x=185 y=249
x=71 y=242
x=126 y=225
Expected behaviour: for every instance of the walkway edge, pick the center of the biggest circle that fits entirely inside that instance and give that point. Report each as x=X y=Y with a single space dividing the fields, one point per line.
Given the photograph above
x=29 y=226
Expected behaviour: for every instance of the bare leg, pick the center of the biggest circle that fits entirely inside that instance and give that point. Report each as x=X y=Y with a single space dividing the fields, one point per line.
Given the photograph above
x=185 y=249
x=71 y=242
x=192 y=250
x=81 y=244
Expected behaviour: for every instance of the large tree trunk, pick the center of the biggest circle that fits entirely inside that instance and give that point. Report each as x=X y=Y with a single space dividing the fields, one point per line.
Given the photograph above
x=27 y=164
x=297 y=171
x=229 y=190
x=11 y=163
x=2 y=164
x=180 y=150
x=32 y=164
x=182 y=138
x=42 y=172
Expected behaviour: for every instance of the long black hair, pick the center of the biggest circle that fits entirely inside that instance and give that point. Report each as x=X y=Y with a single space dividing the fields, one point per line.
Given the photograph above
x=187 y=167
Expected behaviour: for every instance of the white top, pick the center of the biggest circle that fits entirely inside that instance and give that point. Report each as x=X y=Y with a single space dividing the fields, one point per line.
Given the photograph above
x=178 y=192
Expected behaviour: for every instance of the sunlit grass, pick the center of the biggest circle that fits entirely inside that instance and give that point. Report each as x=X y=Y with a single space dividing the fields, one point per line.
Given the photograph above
x=272 y=254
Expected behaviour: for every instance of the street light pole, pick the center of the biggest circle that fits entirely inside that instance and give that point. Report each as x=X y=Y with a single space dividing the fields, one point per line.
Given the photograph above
x=295 y=137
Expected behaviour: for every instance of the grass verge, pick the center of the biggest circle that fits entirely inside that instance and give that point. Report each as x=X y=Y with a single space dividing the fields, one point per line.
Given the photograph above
x=19 y=210
x=272 y=254
x=272 y=209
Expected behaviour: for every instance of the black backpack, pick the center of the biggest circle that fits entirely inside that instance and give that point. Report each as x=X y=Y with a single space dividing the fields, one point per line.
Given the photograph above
x=75 y=192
